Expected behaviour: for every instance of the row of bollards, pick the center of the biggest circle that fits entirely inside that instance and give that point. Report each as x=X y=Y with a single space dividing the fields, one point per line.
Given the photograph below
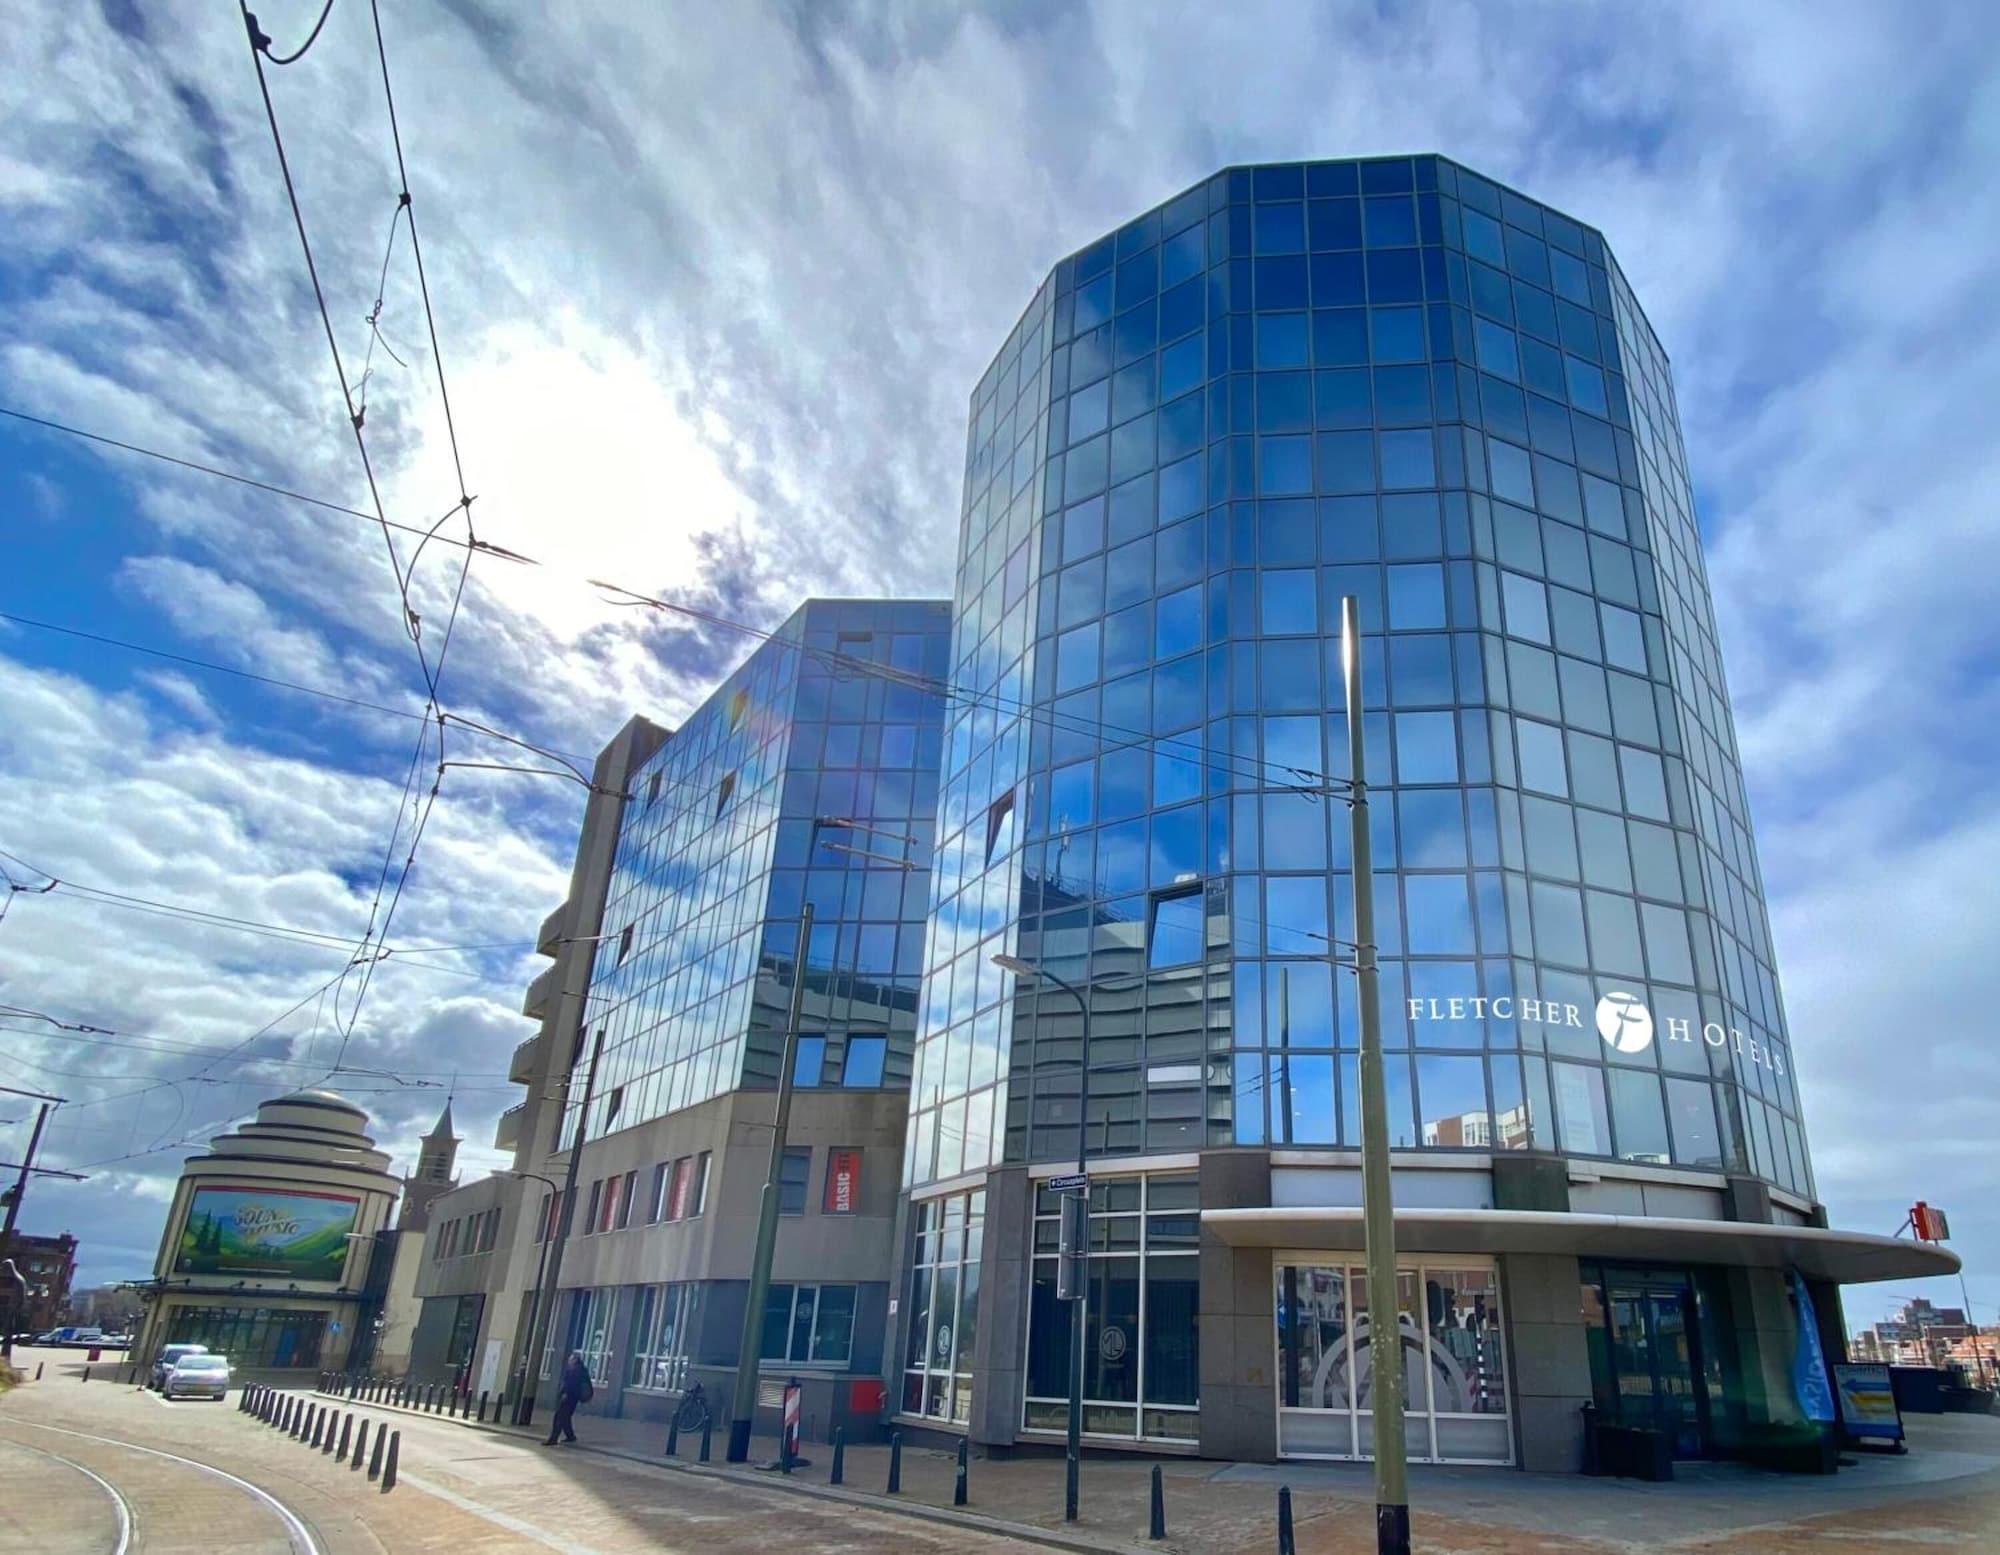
x=453 y=1400
x=342 y=1437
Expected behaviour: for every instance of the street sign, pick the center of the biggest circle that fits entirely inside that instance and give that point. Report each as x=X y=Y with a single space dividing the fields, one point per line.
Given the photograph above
x=1867 y=1401
x=1929 y=1224
x=1070 y=1180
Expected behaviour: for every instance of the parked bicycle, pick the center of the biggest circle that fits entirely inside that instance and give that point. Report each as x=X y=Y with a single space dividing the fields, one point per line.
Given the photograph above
x=693 y=1415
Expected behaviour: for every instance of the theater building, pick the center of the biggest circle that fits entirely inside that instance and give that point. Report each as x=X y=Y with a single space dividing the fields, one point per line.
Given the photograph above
x=1399 y=381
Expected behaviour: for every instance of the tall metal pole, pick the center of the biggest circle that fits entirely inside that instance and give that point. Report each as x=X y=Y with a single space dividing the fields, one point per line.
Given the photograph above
x=18 y=1291
x=1385 y=1371
x=743 y=1407
x=545 y=1297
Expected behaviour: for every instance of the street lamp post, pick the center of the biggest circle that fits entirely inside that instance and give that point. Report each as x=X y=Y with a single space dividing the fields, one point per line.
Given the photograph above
x=1079 y=1228
x=542 y=1265
x=1392 y=1499
x=565 y=1212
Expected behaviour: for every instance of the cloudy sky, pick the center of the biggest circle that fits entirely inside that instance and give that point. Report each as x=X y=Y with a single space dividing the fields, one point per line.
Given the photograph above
x=711 y=285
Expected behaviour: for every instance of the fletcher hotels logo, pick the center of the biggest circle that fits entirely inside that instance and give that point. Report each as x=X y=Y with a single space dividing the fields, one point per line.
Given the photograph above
x=1624 y=1022
x=1621 y=1019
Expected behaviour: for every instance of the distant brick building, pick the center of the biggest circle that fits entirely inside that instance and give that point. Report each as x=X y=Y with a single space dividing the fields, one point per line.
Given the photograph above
x=48 y=1264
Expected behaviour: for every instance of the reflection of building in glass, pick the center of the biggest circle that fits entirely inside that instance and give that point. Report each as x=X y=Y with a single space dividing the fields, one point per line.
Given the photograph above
x=1396 y=380
x=807 y=778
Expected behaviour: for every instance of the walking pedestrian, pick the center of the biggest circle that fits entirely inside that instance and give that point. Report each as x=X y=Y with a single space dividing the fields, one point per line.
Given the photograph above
x=574 y=1389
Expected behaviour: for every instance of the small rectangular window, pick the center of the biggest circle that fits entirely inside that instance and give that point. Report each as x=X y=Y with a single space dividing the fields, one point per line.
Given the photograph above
x=653 y=790
x=1000 y=826
x=698 y=1200
x=596 y=1199
x=1176 y=937
x=810 y=1060
x=624 y=943
x=793 y=1175
x=677 y=1193
x=723 y=792
x=657 y=1199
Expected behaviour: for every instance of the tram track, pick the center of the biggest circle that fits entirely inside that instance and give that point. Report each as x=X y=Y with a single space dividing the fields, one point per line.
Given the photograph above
x=132 y=1525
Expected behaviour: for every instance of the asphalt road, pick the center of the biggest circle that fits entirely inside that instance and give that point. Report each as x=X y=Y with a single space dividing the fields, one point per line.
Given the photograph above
x=99 y=1468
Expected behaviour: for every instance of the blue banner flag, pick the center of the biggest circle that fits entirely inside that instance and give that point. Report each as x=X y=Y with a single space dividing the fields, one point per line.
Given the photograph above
x=1809 y=1360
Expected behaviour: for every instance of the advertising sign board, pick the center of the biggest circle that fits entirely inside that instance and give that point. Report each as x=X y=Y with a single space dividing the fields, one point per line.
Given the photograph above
x=1867 y=1401
x=291 y=1234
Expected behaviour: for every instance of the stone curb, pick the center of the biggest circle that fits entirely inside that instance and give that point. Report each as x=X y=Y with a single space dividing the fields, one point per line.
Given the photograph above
x=1032 y=1533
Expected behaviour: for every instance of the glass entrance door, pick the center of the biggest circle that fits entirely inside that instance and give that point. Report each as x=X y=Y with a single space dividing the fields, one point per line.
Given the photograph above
x=1656 y=1364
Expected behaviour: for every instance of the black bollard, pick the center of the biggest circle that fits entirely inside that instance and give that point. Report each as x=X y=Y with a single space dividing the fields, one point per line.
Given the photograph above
x=314 y=1414
x=346 y=1434
x=1157 y=1526
x=389 y=1468
x=360 y=1446
x=707 y=1428
x=38 y=1370
x=958 y=1480
x=1287 y=1544
x=86 y=1375
x=326 y=1447
x=482 y=1406
x=839 y=1456
x=895 y=1463
x=674 y=1434
x=381 y=1443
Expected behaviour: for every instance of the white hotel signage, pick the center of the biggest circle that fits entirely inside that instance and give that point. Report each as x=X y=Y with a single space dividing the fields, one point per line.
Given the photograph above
x=1621 y=1019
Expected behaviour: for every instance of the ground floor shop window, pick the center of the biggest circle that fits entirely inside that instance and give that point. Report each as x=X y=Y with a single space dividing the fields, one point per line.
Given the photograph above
x=588 y=1332
x=808 y=1325
x=944 y=1306
x=663 y=1322
x=1454 y=1369
x=1142 y=1295
x=262 y=1337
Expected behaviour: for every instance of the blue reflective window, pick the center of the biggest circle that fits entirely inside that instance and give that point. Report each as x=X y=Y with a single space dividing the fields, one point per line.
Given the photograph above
x=1072 y=797
x=1572 y=280
x=1181 y=428
x=1440 y=914
x=1182 y=366
x=1482 y=237
x=1426 y=748
x=1281 y=281
x=1177 y=628
x=1290 y=601
x=1338 y=280
x=1396 y=334
x=1284 y=466
x=1295 y=921
x=1122 y=783
x=1411 y=528
x=1390 y=175
x=1176 y=846
x=1645 y=782
x=1081 y=593
x=1586 y=386
x=1346 y=461
x=1335 y=223
x=1341 y=398
x=1281 y=340
x=1347 y=529
x=1495 y=349
x=809 y=1060
x=861 y=1065
x=1281 y=229
x=1527 y=257
x=1181 y=309
x=1392 y=221
x=1536 y=311
x=1543 y=767
x=1089 y=411
x=1284 y=402
x=1402 y=395
x=1093 y=303
x=1603 y=508
x=1340 y=337
x=1420 y=671
x=1176 y=777
x=1395 y=275
x=1492 y=295
x=1083 y=529
x=1416 y=596
x=1128 y=572
x=1433 y=828
x=1407 y=459
x=1176 y=935
x=1128 y=642
x=1133 y=392
x=1182 y=489
x=1076 y=658
x=1138 y=278
x=1527 y=605
x=1178 y=554
x=1624 y=641
x=1289 y=675
x=1182 y=255
x=1512 y=473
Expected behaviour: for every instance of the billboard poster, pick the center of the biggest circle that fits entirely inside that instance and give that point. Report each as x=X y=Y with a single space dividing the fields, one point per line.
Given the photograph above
x=843 y=1182
x=290 y=1234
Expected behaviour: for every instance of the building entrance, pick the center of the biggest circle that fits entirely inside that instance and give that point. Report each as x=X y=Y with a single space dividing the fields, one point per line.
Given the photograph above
x=1652 y=1364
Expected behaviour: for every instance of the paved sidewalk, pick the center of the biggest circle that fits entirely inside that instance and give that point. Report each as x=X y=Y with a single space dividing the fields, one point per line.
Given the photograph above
x=1944 y=1496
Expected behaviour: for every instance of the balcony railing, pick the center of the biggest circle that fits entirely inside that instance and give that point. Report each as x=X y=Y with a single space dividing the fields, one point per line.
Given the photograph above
x=507 y=1134
x=553 y=929
x=521 y=1069
x=536 y=1003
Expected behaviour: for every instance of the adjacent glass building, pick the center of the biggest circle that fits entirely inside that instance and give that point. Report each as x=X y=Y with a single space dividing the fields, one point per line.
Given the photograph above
x=1397 y=380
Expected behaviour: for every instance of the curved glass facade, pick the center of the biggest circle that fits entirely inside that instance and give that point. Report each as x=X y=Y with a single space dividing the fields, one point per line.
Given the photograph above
x=1396 y=380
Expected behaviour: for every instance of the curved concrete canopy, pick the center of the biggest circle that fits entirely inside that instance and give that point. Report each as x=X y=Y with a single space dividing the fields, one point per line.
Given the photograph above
x=1845 y=1257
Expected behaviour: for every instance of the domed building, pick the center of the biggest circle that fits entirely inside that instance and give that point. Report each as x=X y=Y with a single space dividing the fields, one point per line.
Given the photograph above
x=266 y=1251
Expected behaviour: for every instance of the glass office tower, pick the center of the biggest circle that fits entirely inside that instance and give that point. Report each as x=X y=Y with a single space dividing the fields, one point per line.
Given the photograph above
x=1392 y=379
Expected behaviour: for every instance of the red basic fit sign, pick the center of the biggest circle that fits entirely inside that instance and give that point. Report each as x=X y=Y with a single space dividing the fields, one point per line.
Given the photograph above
x=792 y=1392
x=843 y=1182
x=1928 y=1223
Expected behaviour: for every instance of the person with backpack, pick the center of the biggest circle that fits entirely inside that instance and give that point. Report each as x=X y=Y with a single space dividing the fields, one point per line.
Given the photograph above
x=575 y=1388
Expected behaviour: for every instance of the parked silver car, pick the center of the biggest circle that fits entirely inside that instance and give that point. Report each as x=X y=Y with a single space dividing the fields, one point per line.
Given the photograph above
x=170 y=1354
x=200 y=1375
